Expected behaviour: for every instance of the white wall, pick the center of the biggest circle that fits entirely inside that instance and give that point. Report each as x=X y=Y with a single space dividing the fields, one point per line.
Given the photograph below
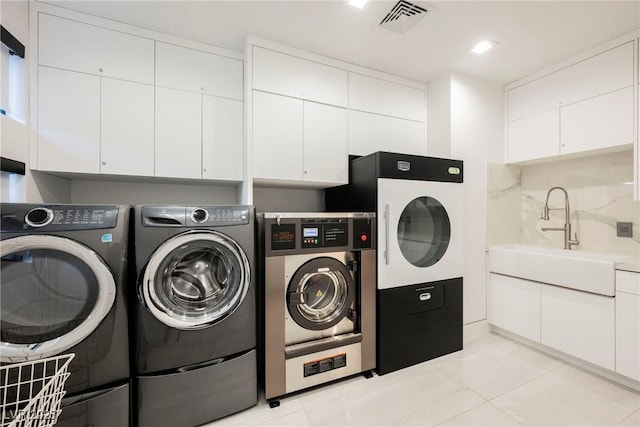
x=439 y=117
x=475 y=126
x=267 y=199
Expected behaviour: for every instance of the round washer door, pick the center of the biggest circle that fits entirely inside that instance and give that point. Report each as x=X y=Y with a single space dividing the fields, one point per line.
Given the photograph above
x=424 y=231
x=196 y=279
x=320 y=293
x=55 y=292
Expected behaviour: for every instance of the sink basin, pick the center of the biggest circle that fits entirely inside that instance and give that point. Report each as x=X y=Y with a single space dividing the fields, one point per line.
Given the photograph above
x=585 y=271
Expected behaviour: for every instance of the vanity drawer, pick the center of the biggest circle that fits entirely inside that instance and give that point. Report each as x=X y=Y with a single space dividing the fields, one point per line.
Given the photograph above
x=628 y=281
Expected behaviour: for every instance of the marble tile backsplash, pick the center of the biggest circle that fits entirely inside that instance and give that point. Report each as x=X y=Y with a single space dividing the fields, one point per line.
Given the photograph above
x=600 y=194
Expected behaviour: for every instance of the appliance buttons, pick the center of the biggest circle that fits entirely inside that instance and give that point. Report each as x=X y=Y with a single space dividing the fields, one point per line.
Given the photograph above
x=363 y=237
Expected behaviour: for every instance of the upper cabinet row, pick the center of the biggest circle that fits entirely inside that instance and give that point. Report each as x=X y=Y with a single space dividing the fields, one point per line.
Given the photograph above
x=110 y=102
x=580 y=108
x=309 y=113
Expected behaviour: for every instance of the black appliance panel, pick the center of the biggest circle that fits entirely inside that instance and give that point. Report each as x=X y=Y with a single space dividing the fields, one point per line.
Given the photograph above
x=421 y=322
x=18 y=217
x=104 y=408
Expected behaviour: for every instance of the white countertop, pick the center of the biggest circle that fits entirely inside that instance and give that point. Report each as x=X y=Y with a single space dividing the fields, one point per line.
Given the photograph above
x=629 y=264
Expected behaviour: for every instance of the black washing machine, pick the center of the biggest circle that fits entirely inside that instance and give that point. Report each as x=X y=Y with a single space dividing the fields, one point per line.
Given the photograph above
x=64 y=287
x=194 y=355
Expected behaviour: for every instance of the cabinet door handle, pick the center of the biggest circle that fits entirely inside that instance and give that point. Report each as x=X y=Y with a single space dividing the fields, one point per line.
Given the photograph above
x=386 y=234
x=425 y=296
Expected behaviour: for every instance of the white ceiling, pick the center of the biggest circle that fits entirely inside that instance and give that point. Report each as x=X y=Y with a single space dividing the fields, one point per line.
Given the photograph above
x=531 y=35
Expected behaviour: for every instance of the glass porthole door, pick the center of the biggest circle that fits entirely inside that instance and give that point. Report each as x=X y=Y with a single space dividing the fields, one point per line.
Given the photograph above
x=55 y=292
x=195 y=279
x=424 y=231
x=320 y=293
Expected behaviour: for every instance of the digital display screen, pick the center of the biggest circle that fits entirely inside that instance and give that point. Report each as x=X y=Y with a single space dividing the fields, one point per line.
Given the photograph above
x=309 y=232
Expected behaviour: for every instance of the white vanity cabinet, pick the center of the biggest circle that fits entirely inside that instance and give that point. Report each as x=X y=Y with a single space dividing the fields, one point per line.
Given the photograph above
x=514 y=305
x=582 y=107
x=628 y=324
x=91 y=124
x=296 y=140
x=579 y=323
x=198 y=136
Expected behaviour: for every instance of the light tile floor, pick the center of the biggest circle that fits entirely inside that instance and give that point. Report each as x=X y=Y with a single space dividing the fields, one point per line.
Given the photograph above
x=492 y=382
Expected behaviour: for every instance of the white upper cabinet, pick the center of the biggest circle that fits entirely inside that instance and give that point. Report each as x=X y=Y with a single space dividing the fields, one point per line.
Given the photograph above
x=68 y=121
x=325 y=143
x=296 y=140
x=369 y=133
x=178 y=148
x=383 y=97
x=277 y=137
x=126 y=128
x=299 y=78
x=580 y=108
x=196 y=71
x=222 y=138
x=75 y=46
x=599 y=122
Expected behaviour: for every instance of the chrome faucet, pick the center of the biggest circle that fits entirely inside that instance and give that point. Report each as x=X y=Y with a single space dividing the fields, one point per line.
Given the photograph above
x=567 y=221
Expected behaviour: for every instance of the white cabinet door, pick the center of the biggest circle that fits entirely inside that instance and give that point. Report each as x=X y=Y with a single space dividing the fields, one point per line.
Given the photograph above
x=289 y=75
x=514 y=305
x=534 y=137
x=72 y=45
x=127 y=140
x=277 y=137
x=580 y=324
x=325 y=143
x=369 y=133
x=600 y=122
x=222 y=139
x=178 y=148
x=603 y=73
x=628 y=334
x=386 y=98
x=68 y=121
x=196 y=71
x=535 y=97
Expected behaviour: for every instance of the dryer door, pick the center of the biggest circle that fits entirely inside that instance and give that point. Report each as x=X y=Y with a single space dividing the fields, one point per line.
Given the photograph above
x=55 y=292
x=320 y=293
x=195 y=279
x=420 y=232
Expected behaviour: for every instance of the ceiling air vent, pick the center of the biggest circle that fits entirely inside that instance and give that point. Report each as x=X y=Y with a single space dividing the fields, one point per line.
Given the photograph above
x=403 y=16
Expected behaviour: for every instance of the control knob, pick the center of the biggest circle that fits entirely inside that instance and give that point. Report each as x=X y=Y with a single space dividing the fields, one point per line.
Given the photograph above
x=39 y=217
x=199 y=215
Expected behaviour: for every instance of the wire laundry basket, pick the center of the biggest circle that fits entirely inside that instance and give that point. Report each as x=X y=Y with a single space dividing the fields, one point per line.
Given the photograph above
x=30 y=392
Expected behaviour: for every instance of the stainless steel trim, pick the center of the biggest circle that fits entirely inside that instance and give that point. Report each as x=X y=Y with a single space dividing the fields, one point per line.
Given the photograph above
x=174 y=320
x=10 y=352
x=328 y=343
x=386 y=234
x=304 y=215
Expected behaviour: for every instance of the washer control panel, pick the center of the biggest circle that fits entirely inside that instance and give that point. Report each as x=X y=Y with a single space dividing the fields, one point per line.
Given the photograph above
x=58 y=217
x=321 y=234
x=195 y=216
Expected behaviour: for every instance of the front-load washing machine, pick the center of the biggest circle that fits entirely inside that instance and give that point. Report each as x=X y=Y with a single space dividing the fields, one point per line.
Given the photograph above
x=64 y=287
x=194 y=326
x=419 y=263
x=318 y=299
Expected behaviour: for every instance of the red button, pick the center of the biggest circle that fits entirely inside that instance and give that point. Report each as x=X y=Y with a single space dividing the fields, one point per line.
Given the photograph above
x=363 y=237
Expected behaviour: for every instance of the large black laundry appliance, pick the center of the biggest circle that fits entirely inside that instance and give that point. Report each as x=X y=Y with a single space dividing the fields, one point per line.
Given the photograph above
x=419 y=203
x=318 y=295
x=63 y=290
x=194 y=326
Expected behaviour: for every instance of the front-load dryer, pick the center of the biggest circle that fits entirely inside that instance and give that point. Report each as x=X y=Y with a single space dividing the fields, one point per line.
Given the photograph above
x=194 y=353
x=64 y=287
x=318 y=298
x=419 y=201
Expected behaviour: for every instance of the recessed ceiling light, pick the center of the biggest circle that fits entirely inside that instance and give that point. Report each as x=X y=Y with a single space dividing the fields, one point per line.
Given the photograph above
x=358 y=3
x=482 y=47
